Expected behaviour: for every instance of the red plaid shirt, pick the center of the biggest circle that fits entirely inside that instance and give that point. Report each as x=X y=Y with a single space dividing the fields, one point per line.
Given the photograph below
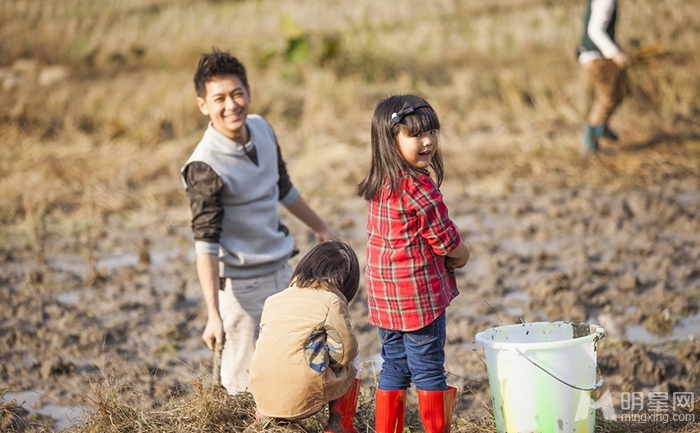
x=409 y=234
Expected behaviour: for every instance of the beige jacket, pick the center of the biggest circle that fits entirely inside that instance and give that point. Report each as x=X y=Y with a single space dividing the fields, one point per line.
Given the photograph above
x=303 y=358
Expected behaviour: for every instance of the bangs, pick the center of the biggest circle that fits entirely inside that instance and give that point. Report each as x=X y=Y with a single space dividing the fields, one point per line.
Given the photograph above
x=423 y=119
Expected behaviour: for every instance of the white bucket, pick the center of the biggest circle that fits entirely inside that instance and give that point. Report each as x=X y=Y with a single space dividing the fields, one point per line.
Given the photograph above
x=542 y=376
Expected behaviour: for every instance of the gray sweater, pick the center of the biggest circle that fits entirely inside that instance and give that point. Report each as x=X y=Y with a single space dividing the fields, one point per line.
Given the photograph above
x=253 y=240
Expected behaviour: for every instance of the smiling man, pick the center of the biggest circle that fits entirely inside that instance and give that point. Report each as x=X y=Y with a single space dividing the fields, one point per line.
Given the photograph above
x=235 y=180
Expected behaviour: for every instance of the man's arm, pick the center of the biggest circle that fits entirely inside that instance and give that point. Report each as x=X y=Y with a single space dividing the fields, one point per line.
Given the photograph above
x=208 y=273
x=203 y=190
x=300 y=209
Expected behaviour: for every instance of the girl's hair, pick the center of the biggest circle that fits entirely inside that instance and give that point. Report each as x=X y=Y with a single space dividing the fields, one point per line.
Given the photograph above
x=216 y=64
x=331 y=262
x=411 y=114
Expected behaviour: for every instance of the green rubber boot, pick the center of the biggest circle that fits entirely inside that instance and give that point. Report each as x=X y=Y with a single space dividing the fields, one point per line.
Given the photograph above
x=591 y=134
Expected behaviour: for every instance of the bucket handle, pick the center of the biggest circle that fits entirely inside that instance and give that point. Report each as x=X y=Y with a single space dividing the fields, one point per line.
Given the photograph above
x=595 y=387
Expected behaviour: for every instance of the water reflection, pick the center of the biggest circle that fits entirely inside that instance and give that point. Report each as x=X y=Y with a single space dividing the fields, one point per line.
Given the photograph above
x=686 y=329
x=38 y=403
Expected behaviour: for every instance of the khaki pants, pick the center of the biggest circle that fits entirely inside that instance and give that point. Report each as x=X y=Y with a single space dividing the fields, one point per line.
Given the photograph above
x=604 y=83
x=241 y=304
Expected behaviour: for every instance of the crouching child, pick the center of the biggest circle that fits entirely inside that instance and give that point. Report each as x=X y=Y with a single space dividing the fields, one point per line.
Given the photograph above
x=306 y=355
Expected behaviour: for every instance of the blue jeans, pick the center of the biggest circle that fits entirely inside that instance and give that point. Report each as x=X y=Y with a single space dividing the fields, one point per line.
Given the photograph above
x=417 y=356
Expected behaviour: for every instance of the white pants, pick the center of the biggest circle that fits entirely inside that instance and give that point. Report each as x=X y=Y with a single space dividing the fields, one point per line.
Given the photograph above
x=241 y=304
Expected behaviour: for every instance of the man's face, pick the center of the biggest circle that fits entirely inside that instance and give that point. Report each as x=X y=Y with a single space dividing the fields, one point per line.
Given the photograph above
x=226 y=103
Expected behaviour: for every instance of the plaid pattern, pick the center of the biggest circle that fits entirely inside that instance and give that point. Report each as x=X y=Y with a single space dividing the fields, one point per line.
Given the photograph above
x=409 y=233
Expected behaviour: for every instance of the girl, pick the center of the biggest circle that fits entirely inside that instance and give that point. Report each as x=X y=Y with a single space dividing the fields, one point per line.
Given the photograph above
x=304 y=357
x=412 y=250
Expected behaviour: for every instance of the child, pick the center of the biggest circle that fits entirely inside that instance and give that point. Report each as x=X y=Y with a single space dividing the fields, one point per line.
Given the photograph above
x=304 y=356
x=235 y=180
x=412 y=250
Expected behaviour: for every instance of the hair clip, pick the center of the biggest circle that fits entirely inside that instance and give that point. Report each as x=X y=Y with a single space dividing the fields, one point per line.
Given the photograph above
x=406 y=110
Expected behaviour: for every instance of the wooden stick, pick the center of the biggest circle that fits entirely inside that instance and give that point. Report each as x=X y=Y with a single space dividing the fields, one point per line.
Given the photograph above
x=216 y=373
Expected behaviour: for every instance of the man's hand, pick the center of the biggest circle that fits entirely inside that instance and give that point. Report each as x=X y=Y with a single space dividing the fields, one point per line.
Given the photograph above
x=301 y=210
x=326 y=235
x=213 y=332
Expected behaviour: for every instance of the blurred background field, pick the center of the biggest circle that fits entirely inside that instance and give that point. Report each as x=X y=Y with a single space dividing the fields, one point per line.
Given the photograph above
x=97 y=110
x=97 y=115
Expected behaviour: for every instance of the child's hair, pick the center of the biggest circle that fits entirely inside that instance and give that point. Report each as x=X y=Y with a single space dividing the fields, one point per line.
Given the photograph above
x=217 y=63
x=411 y=114
x=331 y=262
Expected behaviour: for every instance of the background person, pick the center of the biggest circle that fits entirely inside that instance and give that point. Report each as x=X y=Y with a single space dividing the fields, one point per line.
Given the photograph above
x=603 y=64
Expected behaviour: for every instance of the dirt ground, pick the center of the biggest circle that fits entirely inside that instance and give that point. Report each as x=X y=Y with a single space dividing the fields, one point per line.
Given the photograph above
x=622 y=257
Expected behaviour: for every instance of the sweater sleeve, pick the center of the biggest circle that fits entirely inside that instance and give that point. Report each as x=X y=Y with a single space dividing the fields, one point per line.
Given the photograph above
x=203 y=189
x=287 y=191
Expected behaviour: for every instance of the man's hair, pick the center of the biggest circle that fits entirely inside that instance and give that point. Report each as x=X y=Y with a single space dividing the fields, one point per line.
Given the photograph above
x=217 y=63
x=330 y=262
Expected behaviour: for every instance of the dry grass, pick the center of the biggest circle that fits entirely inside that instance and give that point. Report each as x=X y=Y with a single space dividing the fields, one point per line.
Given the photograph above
x=110 y=134
x=204 y=407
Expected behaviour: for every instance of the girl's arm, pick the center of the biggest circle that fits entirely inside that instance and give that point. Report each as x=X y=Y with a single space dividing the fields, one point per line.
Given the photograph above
x=436 y=226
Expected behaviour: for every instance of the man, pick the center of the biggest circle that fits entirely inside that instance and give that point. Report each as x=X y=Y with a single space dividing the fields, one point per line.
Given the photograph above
x=604 y=65
x=234 y=180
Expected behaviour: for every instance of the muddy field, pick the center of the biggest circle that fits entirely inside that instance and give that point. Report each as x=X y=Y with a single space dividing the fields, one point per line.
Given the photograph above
x=621 y=256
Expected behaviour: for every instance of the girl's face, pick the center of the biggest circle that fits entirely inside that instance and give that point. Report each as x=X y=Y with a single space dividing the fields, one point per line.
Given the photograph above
x=418 y=149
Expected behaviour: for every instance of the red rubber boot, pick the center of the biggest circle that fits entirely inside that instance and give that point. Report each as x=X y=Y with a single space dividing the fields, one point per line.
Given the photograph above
x=342 y=411
x=390 y=411
x=436 y=409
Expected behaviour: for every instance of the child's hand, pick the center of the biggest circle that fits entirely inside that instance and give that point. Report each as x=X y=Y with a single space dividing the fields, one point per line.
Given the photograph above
x=453 y=263
x=458 y=257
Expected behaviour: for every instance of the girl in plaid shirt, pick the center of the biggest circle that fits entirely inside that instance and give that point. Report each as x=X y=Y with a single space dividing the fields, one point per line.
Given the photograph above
x=412 y=250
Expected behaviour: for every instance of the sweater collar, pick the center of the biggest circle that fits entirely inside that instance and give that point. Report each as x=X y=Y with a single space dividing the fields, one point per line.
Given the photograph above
x=225 y=145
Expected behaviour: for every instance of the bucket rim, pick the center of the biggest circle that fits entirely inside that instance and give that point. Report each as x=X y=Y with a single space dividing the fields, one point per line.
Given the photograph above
x=481 y=340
